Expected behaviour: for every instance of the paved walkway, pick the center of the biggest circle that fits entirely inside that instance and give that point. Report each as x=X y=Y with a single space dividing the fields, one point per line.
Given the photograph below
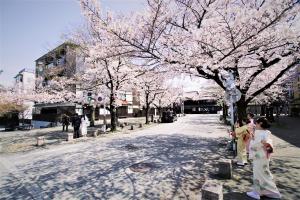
x=167 y=161
x=285 y=163
x=21 y=141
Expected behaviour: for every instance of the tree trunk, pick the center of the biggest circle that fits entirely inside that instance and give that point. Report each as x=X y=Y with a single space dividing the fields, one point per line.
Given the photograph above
x=263 y=110
x=241 y=109
x=113 y=117
x=147 y=114
x=147 y=108
x=270 y=112
x=159 y=112
x=92 y=123
x=225 y=112
x=113 y=113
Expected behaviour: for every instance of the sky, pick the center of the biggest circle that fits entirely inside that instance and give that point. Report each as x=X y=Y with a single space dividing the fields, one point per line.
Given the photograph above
x=30 y=28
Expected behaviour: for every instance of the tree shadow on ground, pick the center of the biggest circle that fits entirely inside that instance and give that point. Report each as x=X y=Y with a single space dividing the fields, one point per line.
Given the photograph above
x=285 y=172
x=181 y=165
x=287 y=128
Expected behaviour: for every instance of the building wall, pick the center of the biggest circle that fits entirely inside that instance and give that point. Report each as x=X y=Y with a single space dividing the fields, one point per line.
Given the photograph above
x=25 y=84
x=60 y=61
x=295 y=104
x=296 y=85
x=201 y=106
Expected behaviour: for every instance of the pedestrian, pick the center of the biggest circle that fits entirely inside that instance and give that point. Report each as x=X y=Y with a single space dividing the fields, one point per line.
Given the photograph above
x=65 y=122
x=242 y=134
x=76 y=125
x=83 y=125
x=251 y=128
x=260 y=149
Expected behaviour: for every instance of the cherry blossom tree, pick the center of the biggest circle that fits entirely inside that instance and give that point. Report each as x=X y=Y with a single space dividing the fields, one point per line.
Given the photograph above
x=256 y=40
x=152 y=86
x=10 y=102
x=170 y=96
x=112 y=75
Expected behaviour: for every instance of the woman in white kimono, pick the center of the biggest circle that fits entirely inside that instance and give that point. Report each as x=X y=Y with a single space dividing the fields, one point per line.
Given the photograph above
x=83 y=126
x=260 y=149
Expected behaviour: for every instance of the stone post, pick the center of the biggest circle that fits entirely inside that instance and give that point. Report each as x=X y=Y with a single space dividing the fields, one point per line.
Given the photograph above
x=141 y=125
x=95 y=133
x=40 y=141
x=70 y=137
x=212 y=190
x=225 y=168
x=131 y=127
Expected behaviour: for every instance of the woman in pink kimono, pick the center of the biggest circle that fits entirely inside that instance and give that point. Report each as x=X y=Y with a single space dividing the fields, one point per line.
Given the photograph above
x=251 y=128
x=260 y=149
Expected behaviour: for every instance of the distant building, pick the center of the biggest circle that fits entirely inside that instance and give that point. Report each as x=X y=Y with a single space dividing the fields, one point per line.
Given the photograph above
x=128 y=103
x=25 y=81
x=25 y=84
x=195 y=103
x=64 y=61
x=295 y=94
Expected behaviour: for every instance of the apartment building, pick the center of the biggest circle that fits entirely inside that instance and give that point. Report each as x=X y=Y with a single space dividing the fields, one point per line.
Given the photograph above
x=64 y=61
x=25 y=84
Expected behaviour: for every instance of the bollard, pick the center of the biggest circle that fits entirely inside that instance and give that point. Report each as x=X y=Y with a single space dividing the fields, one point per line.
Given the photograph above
x=225 y=168
x=212 y=190
x=95 y=133
x=103 y=128
x=70 y=137
x=155 y=121
x=131 y=127
x=40 y=141
x=141 y=125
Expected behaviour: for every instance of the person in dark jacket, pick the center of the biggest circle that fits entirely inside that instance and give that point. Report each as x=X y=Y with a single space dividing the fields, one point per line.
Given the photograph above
x=65 y=122
x=76 y=125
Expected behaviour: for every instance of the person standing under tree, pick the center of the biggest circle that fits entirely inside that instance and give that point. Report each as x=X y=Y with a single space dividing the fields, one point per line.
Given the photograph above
x=242 y=134
x=251 y=128
x=260 y=149
x=76 y=125
x=83 y=125
x=65 y=122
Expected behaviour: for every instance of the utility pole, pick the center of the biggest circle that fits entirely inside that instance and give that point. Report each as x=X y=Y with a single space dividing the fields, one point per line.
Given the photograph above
x=232 y=95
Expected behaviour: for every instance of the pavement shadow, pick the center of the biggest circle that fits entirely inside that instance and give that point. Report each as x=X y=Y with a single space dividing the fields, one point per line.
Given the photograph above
x=286 y=175
x=180 y=166
x=287 y=129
